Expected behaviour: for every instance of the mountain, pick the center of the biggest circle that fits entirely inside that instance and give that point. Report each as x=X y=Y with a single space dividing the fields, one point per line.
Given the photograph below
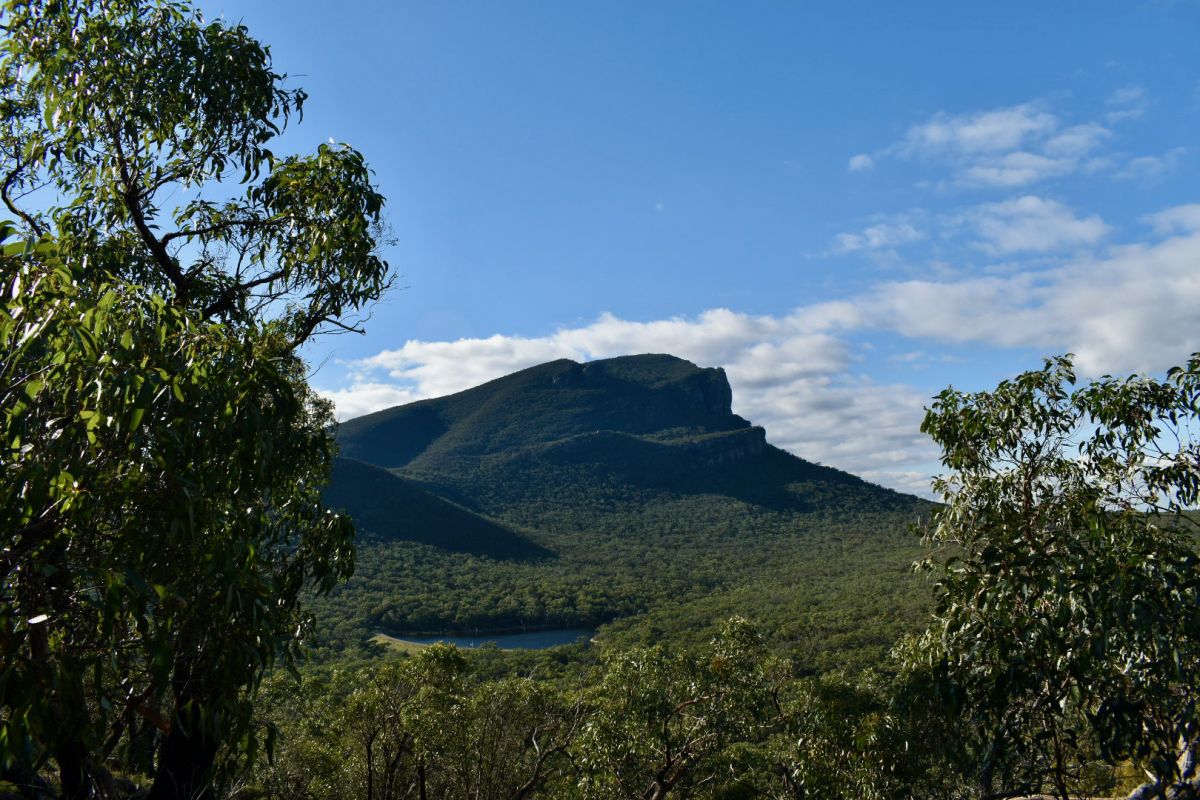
x=638 y=395
x=645 y=422
x=389 y=507
x=622 y=493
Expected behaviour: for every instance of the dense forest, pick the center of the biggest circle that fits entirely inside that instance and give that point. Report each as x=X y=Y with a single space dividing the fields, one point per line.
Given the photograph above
x=762 y=631
x=187 y=611
x=622 y=493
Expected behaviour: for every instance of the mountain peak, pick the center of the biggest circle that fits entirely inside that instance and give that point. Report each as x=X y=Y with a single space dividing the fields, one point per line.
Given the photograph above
x=638 y=395
x=589 y=439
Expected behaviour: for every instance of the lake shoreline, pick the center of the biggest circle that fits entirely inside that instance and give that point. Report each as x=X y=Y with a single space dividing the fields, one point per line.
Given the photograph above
x=535 y=639
x=477 y=632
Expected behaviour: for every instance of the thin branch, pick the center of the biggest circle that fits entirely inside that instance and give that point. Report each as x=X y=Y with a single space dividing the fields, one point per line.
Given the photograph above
x=9 y=179
x=219 y=227
x=224 y=303
x=310 y=326
x=132 y=197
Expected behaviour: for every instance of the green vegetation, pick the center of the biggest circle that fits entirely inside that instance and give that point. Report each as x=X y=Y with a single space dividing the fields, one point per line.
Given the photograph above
x=162 y=454
x=167 y=538
x=1061 y=658
x=651 y=506
x=1068 y=618
x=840 y=589
x=393 y=508
x=725 y=720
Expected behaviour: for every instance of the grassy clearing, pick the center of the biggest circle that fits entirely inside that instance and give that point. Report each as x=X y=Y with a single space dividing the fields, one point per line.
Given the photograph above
x=398 y=645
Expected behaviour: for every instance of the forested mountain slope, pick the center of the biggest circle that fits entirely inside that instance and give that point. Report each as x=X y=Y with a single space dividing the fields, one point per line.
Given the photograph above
x=640 y=423
x=662 y=509
x=391 y=508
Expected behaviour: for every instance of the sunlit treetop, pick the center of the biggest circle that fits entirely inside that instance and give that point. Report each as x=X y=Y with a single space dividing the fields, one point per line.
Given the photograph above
x=140 y=131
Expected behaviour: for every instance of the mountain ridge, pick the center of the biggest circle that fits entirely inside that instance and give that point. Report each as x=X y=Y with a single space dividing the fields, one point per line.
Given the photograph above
x=641 y=394
x=390 y=507
x=642 y=504
x=643 y=421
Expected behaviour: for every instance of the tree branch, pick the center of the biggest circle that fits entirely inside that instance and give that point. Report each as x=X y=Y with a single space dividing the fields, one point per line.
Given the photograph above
x=313 y=322
x=219 y=227
x=132 y=197
x=224 y=303
x=37 y=228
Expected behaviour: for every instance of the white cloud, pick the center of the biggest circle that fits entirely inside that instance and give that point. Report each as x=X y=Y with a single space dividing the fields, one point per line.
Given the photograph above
x=1149 y=168
x=1018 y=146
x=1133 y=308
x=880 y=236
x=1180 y=219
x=1025 y=224
x=364 y=396
x=1127 y=96
x=1013 y=170
x=432 y=369
x=1129 y=102
x=1001 y=148
x=853 y=424
x=861 y=163
x=1076 y=141
x=1032 y=224
x=904 y=481
x=991 y=131
x=1135 y=311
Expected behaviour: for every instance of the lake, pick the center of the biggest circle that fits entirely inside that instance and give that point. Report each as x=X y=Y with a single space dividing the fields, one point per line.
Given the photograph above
x=535 y=640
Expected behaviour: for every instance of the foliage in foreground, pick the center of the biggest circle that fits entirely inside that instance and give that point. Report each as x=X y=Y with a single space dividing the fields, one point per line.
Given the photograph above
x=728 y=721
x=1068 y=598
x=162 y=454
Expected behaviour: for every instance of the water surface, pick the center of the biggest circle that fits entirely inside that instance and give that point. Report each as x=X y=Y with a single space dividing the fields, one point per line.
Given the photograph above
x=535 y=640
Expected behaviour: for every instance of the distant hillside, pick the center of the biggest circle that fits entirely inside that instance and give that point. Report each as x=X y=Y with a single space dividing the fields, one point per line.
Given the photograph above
x=391 y=508
x=665 y=512
x=634 y=394
x=647 y=422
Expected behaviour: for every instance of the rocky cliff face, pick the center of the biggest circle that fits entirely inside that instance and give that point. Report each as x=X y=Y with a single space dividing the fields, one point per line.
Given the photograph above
x=652 y=393
x=729 y=448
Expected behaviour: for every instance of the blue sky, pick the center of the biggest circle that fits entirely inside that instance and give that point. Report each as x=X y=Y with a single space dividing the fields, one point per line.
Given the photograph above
x=847 y=205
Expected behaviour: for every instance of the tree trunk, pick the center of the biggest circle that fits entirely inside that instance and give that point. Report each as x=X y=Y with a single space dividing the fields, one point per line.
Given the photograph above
x=371 y=767
x=1060 y=780
x=185 y=759
x=1188 y=787
x=73 y=774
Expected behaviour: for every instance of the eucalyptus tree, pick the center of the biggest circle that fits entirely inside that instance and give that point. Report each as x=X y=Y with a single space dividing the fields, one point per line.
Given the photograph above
x=162 y=453
x=419 y=727
x=664 y=724
x=1068 y=592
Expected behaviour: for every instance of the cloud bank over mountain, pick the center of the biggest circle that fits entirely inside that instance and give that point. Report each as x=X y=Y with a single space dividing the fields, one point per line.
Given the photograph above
x=1133 y=307
x=1006 y=259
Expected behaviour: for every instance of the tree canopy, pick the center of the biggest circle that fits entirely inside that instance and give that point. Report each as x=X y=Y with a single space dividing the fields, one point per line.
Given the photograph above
x=162 y=454
x=163 y=459
x=1068 y=594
